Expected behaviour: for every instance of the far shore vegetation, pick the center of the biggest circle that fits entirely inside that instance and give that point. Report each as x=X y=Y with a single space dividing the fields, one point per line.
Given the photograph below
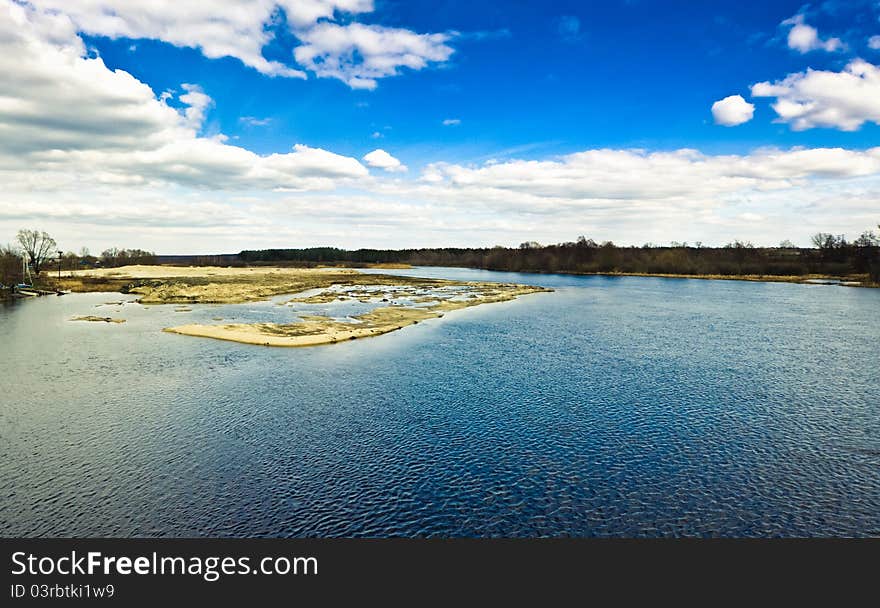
x=34 y=260
x=832 y=256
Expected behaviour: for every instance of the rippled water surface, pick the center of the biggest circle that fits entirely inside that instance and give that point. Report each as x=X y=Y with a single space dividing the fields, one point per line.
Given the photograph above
x=628 y=406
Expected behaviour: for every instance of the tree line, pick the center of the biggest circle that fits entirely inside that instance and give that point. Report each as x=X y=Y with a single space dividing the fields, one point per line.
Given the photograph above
x=831 y=255
x=39 y=249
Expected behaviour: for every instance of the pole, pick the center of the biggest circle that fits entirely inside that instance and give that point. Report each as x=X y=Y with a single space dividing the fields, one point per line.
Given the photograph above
x=59 y=264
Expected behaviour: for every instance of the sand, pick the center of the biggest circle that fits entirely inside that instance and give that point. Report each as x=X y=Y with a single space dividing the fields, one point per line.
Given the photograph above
x=312 y=331
x=316 y=330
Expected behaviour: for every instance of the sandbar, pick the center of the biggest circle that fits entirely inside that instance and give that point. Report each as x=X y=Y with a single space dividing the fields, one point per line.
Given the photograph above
x=400 y=300
x=315 y=330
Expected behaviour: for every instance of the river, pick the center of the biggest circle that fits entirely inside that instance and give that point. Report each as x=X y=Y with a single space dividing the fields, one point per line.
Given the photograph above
x=611 y=407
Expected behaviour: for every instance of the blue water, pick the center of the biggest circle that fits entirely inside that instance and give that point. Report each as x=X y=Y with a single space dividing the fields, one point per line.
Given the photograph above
x=610 y=407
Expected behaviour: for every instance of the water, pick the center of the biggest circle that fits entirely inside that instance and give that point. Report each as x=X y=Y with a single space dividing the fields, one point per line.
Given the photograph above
x=613 y=406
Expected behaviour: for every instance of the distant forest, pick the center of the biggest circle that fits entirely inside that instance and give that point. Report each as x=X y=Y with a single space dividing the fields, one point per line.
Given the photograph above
x=832 y=255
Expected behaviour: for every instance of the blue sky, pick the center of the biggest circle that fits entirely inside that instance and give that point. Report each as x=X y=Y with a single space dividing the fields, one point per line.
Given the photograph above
x=555 y=77
x=403 y=123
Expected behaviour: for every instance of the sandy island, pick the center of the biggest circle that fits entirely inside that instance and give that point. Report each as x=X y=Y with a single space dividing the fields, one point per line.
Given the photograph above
x=402 y=301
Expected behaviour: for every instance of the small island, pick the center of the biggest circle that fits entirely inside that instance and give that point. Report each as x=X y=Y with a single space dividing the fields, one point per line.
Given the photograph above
x=401 y=301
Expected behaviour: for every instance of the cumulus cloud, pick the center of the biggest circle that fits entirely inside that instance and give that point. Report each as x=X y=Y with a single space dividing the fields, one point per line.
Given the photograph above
x=360 y=54
x=805 y=38
x=629 y=196
x=874 y=43
x=54 y=97
x=633 y=175
x=451 y=122
x=236 y=31
x=816 y=98
x=732 y=111
x=382 y=160
x=67 y=115
x=354 y=53
x=93 y=155
x=632 y=196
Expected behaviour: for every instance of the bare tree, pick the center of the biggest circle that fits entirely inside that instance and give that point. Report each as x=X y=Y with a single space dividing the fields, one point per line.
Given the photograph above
x=37 y=246
x=825 y=240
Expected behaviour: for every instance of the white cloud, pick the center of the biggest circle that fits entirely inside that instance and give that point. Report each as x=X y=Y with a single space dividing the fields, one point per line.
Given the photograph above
x=816 y=98
x=382 y=160
x=96 y=158
x=253 y=121
x=874 y=43
x=68 y=118
x=688 y=176
x=354 y=53
x=633 y=196
x=451 y=122
x=235 y=31
x=732 y=111
x=805 y=38
x=55 y=98
x=197 y=103
x=306 y=12
x=360 y=54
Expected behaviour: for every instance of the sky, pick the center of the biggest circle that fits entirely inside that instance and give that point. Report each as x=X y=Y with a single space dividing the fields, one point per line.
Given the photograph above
x=214 y=127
